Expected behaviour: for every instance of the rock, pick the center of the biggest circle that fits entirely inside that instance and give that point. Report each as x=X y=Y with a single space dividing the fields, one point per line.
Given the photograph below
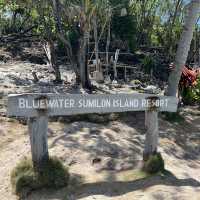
x=135 y=82
x=151 y=89
x=114 y=82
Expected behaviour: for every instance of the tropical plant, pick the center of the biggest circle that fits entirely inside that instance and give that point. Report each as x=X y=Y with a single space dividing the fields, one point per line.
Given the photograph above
x=184 y=46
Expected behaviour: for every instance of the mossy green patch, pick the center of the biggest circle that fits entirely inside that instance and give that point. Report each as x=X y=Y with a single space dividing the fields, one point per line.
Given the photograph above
x=53 y=174
x=154 y=164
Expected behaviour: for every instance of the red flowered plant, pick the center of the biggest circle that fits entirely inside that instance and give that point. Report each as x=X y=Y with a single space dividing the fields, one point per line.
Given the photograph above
x=189 y=85
x=189 y=77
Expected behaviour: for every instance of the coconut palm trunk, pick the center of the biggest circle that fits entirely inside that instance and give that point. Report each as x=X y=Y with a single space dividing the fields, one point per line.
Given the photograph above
x=183 y=47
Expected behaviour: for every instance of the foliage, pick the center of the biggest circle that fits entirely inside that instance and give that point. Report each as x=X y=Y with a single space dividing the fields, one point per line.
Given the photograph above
x=124 y=28
x=191 y=94
x=134 y=25
x=148 y=64
x=17 y=16
x=53 y=175
x=148 y=22
x=189 y=86
x=154 y=164
x=120 y=3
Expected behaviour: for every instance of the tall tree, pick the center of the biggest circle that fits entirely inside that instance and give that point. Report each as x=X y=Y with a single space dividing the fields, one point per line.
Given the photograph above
x=78 y=15
x=183 y=46
x=47 y=35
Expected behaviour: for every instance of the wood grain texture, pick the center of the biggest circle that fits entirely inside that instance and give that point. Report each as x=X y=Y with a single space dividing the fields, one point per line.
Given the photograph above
x=151 y=140
x=38 y=139
x=72 y=104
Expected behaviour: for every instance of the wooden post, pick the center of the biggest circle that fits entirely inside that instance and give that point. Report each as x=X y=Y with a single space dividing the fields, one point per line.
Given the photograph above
x=38 y=127
x=151 y=123
x=125 y=72
x=115 y=63
x=145 y=121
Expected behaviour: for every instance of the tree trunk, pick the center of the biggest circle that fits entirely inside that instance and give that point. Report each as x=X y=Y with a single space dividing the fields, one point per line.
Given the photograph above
x=169 y=47
x=115 y=64
x=83 y=62
x=60 y=33
x=51 y=55
x=49 y=47
x=195 y=51
x=56 y=12
x=13 y=22
x=96 y=43
x=107 y=48
x=54 y=62
x=199 y=49
x=183 y=47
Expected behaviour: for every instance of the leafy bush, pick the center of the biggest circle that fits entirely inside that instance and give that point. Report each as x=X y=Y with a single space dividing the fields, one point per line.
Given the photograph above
x=154 y=164
x=124 y=28
x=25 y=179
x=148 y=64
x=191 y=94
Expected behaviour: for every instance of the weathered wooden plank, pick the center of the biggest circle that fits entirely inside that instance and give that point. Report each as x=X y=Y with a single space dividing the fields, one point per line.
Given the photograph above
x=38 y=127
x=27 y=105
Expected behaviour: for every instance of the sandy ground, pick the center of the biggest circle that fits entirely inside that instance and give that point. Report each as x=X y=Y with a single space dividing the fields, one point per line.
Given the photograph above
x=119 y=146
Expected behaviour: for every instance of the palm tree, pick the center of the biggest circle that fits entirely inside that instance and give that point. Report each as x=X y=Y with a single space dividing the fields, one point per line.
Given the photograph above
x=183 y=47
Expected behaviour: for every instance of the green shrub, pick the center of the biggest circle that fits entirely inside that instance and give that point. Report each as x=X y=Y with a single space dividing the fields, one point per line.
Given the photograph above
x=191 y=94
x=53 y=175
x=148 y=64
x=154 y=164
x=124 y=28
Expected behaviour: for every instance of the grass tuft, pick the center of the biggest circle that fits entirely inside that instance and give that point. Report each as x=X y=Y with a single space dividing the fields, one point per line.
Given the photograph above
x=25 y=179
x=154 y=164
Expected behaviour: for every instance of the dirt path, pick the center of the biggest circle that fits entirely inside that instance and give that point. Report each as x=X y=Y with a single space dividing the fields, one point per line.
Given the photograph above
x=119 y=146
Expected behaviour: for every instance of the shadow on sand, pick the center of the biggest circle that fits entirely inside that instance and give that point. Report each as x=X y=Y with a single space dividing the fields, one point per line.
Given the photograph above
x=111 y=188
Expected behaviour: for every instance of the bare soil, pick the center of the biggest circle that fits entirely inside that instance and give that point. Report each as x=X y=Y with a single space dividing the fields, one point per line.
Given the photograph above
x=117 y=146
x=103 y=158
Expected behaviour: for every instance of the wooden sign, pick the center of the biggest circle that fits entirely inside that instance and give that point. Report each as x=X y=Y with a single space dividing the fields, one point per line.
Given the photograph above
x=38 y=107
x=28 y=105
